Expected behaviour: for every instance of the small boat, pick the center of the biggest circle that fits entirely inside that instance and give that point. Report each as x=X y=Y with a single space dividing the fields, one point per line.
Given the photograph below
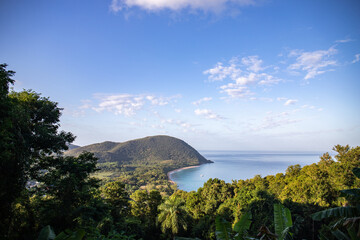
x=202 y=175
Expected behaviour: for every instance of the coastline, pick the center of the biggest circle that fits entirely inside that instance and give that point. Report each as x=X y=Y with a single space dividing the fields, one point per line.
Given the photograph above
x=177 y=170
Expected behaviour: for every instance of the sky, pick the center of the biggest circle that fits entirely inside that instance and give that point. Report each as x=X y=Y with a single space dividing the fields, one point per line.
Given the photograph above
x=219 y=74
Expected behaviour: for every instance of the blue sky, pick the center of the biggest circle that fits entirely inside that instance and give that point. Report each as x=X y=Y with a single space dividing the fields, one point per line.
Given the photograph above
x=219 y=74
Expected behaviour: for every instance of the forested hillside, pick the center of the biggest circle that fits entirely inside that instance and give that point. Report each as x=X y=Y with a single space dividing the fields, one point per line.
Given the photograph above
x=146 y=151
x=66 y=199
x=142 y=162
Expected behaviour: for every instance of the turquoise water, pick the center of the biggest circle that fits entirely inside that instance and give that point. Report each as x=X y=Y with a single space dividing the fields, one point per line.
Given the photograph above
x=234 y=165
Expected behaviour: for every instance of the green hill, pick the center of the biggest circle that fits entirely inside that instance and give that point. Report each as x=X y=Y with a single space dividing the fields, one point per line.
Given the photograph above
x=165 y=151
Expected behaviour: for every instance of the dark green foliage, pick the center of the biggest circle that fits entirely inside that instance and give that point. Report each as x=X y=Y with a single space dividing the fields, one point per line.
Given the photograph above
x=262 y=209
x=336 y=212
x=115 y=194
x=183 y=238
x=11 y=181
x=66 y=190
x=173 y=217
x=223 y=229
x=239 y=231
x=214 y=192
x=144 y=208
x=283 y=221
x=47 y=233
x=29 y=132
x=146 y=177
x=347 y=217
x=71 y=235
x=242 y=226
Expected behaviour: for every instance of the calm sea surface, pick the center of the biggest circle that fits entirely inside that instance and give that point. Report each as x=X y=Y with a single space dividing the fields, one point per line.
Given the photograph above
x=234 y=165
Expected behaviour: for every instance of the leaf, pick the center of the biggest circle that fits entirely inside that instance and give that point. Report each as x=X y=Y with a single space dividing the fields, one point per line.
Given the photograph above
x=355 y=192
x=286 y=234
x=352 y=233
x=335 y=212
x=79 y=234
x=223 y=229
x=356 y=172
x=184 y=238
x=340 y=235
x=46 y=233
x=243 y=225
x=282 y=219
x=71 y=235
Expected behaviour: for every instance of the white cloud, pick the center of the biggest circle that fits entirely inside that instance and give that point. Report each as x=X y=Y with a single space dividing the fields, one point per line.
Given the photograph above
x=357 y=58
x=184 y=126
x=86 y=104
x=313 y=63
x=247 y=79
x=126 y=104
x=272 y=122
x=205 y=99
x=266 y=79
x=207 y=114
x=236 y=90
x=219 y=72
x=178 y=5
x=290 y=102
x=281 y=99
x=242 y=74
x=308 y=106
x=275 y=120
x=311 y=107
x=253 y=63
x=344 y=40
x=159 y=101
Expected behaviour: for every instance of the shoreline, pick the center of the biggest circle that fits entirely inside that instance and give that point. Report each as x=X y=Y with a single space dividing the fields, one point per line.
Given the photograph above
x=177 y=170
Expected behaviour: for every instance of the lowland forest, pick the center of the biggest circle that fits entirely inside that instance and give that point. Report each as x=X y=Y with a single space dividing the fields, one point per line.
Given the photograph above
x=51 y=189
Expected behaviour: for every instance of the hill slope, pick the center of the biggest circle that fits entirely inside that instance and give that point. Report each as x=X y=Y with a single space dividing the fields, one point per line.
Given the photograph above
x=167 y=151
x=72 y=146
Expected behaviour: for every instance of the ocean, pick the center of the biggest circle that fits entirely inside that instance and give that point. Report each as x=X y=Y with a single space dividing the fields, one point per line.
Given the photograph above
x=235 y=165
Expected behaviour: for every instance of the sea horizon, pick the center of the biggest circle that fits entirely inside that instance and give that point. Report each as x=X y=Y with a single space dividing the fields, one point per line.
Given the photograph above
x=231 y=165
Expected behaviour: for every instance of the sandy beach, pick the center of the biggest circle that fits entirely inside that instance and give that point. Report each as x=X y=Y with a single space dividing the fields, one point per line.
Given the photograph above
x=177 y=170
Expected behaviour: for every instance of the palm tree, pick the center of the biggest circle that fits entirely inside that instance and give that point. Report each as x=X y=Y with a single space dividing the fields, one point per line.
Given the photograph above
x=172 y=216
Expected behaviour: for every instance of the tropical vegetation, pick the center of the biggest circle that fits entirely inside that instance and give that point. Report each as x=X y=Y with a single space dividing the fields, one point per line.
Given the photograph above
x=45 y=194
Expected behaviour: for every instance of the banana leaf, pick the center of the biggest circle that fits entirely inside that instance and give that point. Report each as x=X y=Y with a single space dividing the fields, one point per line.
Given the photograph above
x=335 y=212
x=223 y=229
x=46 y=233
x=243 y=225
x=282 y=220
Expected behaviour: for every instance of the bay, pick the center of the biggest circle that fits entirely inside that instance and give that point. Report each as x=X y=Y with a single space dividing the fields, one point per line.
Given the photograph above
x=235 y=165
